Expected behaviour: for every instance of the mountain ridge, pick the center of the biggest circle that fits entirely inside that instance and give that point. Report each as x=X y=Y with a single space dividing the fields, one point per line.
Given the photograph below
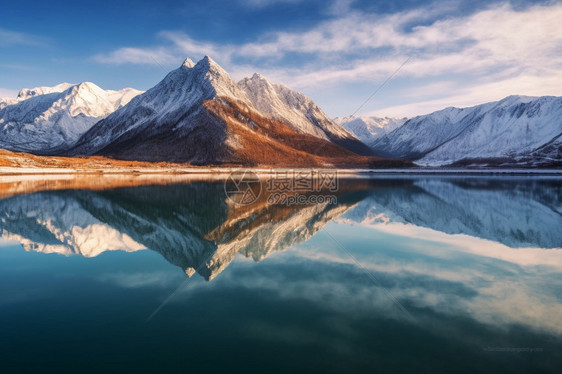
x=519 y=131
x=198 y=114
x=369 y=129
x=283 y=104
x=44 y=119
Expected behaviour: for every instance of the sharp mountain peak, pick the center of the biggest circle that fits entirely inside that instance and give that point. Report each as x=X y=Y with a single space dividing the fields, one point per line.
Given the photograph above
x=188 y=63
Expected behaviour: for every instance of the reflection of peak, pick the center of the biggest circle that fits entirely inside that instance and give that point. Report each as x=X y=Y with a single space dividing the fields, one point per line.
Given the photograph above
x=29 y=219
x=198 y=231
x=267 y=230
x=190 y=225
x=196 y=228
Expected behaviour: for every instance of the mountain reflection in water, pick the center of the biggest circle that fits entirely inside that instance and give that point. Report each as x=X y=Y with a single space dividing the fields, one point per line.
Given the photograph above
x=399 y=274
x=195 y=225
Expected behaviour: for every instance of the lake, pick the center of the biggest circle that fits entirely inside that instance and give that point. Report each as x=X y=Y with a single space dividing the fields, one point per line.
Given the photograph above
x=431 y=274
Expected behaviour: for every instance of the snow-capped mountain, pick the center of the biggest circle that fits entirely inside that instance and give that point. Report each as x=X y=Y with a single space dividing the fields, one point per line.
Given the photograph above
x=369 y=129
x=516 y=130
x=26 y=93
x=198 y=114
x=46 y=120
x=155 y=123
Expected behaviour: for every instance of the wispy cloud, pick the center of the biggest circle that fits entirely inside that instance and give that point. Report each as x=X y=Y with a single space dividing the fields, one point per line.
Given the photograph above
x=19 y=67
x=518 y=49
x=186 y=46
x=266 y=3
x=496 y=39
x=9 y=37
x=469 y=94
x=128 y=55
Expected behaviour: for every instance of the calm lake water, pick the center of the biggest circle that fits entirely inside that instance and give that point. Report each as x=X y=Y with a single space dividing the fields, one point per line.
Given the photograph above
x=397 y=274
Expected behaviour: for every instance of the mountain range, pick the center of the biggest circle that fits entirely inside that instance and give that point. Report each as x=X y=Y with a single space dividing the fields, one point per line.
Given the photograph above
x=515 y=131
x=198 y=114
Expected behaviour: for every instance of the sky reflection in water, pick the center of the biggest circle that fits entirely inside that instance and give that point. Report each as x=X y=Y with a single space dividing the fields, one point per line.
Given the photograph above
x=456 y=274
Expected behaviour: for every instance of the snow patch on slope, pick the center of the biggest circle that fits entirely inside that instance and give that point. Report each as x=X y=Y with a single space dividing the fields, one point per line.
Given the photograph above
x=283 y=104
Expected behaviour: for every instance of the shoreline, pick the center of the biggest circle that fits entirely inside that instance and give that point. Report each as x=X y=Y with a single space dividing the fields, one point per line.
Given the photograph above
x=31 y=180
x=204 y=170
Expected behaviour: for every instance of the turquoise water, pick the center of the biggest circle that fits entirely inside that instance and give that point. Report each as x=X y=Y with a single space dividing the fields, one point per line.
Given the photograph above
x=414 y=274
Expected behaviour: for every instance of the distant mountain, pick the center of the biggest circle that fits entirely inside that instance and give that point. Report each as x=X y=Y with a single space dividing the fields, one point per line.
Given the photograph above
x=369 y=129
x=26 y=93
x=518 y=130
x=198 y=114
x=47 y=119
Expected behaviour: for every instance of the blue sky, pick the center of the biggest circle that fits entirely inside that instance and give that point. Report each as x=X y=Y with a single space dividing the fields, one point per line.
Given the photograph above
x=338 y=52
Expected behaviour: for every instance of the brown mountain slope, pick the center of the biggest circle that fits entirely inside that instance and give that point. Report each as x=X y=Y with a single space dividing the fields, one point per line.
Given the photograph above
x=230 y=132
x=198 y=114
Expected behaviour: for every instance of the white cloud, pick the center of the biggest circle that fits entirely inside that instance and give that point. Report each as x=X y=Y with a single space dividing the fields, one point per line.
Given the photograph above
x=498 y=38
x=186 y=46
x=340 y=7
x=474 y=94
x=501 y=50
x=130 y=55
